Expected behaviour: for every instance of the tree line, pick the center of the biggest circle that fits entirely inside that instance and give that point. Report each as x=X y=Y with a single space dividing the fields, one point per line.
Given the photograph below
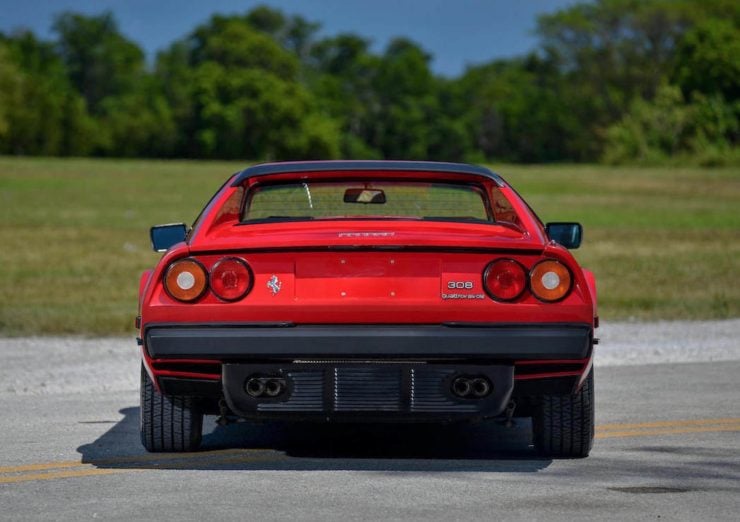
x=611 y=80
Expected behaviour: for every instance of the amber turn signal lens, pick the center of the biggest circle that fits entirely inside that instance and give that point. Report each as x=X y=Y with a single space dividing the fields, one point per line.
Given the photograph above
x=186 y=280
x=231 y=279
x=504 y=279
x=550 y=280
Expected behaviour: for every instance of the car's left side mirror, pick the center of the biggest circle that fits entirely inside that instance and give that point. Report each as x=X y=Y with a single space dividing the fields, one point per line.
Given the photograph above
x=164 y=236
x=567 y=234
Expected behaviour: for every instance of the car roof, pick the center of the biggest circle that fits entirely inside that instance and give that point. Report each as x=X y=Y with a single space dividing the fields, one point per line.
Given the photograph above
x=363 y=165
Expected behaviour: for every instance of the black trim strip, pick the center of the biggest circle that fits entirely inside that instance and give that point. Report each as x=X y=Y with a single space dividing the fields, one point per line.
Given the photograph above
x=507 y=342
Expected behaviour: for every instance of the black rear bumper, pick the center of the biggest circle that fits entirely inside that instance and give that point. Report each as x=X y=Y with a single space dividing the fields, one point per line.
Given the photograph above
x=427 y=342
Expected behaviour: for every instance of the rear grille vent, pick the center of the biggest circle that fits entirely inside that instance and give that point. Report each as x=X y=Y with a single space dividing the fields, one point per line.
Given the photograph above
x=367 y=389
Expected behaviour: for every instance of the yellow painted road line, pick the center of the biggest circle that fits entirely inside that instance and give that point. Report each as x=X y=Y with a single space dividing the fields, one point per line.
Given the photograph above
x=92 y=471
x=146 y=458
x=236 y=459
x=667 y=424
x=667 y=431
x=56 y=470
x=42 y=467
x=672 y=427
x=164 y=458
x=60 y=474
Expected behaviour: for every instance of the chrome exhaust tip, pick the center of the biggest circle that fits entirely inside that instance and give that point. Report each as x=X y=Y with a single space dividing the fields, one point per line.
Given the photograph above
x=461 y=387
x=255 y=387
x=274 y=387
x=481 y=387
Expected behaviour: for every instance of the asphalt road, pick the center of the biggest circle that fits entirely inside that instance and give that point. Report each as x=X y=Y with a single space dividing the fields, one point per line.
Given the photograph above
x=668 y=446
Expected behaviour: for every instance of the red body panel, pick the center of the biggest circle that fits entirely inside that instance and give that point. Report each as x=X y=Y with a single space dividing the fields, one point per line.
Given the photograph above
x=367 y=287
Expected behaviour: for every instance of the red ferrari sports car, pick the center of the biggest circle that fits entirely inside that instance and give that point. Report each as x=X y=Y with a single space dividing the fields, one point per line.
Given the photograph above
x=377 y=291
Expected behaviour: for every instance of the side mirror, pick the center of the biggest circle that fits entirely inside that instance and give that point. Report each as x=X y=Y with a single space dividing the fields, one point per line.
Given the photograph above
x=567 y=234
x=164 y=236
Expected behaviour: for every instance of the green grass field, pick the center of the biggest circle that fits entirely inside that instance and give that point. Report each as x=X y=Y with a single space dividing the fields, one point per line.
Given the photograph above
x=664 y=243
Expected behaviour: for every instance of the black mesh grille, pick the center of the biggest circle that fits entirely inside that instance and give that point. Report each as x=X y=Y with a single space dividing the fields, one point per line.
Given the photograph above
x=367 y=389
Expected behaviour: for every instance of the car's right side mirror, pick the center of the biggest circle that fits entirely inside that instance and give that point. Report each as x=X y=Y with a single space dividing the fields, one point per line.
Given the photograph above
x=567 y=234
x=164 y=236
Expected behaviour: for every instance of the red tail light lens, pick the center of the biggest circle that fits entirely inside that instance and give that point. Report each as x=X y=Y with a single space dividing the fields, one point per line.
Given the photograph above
x=505 y=279
x=550 y=280
x=186 y=280
x=231 y=279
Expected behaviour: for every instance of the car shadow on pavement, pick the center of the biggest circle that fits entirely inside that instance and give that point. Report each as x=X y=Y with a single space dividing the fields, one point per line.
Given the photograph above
x=488 y=446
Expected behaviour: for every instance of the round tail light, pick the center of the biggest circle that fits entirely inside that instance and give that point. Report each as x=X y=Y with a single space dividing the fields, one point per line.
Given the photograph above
x=186 y=280
x=505 y=279
x=231 y=279
x=550 y=280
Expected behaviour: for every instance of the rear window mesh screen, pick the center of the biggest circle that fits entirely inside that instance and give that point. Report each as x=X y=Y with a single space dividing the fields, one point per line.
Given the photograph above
x=347 y=200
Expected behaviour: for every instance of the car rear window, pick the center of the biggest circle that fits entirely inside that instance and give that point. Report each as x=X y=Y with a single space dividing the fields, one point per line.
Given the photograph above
x=367 y=200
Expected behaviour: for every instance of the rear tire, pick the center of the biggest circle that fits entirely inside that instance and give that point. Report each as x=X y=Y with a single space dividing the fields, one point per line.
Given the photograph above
x=168 y=423
x=563 y=425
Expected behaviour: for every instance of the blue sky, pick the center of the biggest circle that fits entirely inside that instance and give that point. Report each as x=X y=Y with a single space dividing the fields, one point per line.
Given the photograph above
x=456 y=32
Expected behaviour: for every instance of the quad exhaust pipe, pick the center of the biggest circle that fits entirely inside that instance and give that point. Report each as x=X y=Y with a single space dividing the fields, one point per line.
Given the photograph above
x=471 y=387
x=260 y=387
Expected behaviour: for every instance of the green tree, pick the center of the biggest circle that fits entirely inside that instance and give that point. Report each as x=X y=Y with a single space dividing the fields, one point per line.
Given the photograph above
x=108 y=70
x=523 y=110
x=173 y=76
x=651 y=131
x=43 y=113
x=406 y=91
x=137 y=123
x=11 y=82
x=708 y=59
x=235 y=93
x=705 y=129
x=294 y=33
x=99 y=60
x=612 y=52
x=343 y=72
x=254 y=114
x=233 y=43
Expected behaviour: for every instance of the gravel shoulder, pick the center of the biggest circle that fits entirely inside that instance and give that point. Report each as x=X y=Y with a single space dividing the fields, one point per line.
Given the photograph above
x=53 y=365
x=626 y=344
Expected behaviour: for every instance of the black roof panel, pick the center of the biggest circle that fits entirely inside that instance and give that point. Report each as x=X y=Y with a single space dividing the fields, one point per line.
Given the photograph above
x=315 y=166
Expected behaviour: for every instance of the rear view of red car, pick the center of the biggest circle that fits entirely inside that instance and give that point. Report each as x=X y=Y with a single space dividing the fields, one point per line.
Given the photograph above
x=367 y=291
